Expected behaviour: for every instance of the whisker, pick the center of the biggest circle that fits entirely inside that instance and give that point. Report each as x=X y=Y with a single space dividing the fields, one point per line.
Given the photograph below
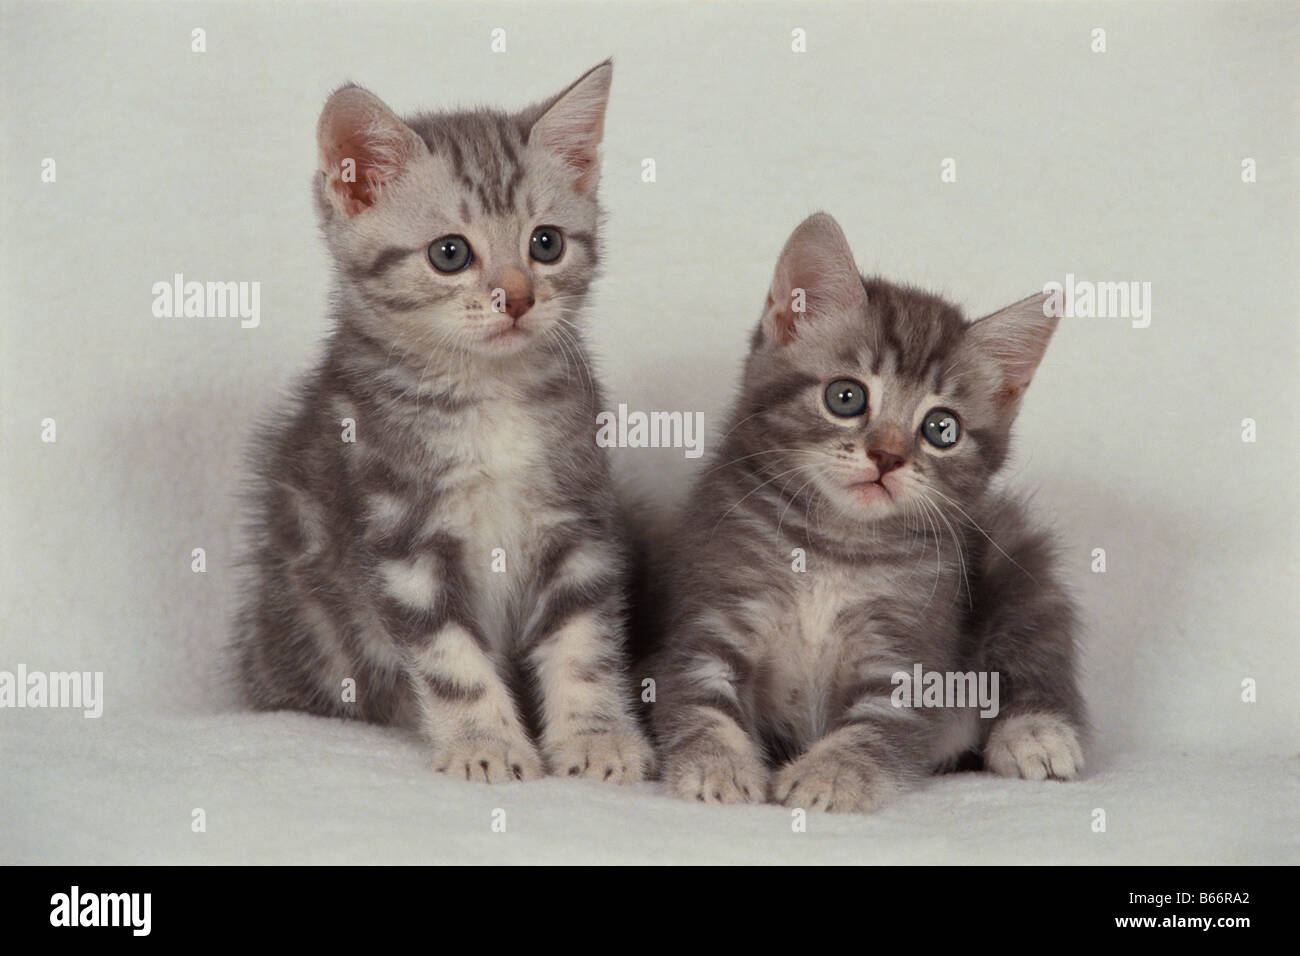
x=961 y=555
x=971 y=521
x=793 y=499
x=772 y=451
x=742 y=500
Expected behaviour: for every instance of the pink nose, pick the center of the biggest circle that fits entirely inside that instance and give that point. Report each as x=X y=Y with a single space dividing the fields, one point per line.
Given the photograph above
x=517 y=307
x=886 y=461
x=886 y=446
x=518 y=292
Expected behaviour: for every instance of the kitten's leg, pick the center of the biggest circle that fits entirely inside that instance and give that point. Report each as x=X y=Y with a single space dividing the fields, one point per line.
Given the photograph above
x=1028 y=628
x=465 y=708
x=575 y=648
x=706 y=734
x=874 y=752
x=467 y=711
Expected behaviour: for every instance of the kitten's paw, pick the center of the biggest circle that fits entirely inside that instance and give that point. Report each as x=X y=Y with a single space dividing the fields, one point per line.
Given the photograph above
x=1034 y=746
x=716 y=774
x=832 y=781
x=489 y=760
x=619 y=755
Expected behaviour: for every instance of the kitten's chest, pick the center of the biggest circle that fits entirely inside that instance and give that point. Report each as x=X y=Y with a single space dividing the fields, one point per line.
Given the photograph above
x=493 y=475
x=804 y=647
x=821 y=641
x=497 y=495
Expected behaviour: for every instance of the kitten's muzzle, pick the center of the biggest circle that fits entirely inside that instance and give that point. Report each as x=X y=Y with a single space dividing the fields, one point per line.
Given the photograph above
x=887 y=447
x=885 y=460
x=518 y=291
x=516 y=308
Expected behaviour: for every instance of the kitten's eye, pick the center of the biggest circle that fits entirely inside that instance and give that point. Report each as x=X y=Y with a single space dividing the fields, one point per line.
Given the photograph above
x=846 y=398
x=941 y=428
x=547 y=244
x=450 y=253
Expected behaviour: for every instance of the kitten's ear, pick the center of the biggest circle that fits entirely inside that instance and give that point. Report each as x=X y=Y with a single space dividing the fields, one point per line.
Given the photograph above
x=363 y=147
x=815 y=275
x=1015 y=338
x=572 y=124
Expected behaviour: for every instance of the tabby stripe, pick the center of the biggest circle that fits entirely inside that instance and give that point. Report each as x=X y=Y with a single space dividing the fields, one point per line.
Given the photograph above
x=447 y=689
x=397 y=303
x=565 y=603
x=725 y=652
x=386 y=260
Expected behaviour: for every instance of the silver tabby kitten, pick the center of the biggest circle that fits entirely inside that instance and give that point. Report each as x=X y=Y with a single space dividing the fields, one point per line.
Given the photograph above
x=437 y=523
x=871 y=422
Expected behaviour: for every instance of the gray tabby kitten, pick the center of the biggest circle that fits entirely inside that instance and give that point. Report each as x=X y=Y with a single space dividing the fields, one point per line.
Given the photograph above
x=871 y=421
x=437 y=523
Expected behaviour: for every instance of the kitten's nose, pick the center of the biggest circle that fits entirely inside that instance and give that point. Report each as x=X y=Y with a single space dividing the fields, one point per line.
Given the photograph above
x=517 y=307
x=518 y=292
x=885 y=460
x=886 y=445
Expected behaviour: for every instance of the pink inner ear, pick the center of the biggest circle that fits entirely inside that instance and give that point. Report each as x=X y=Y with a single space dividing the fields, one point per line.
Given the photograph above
x=1016 y=338
x=582 y=159
x=575 y=124
x=357 y=127
x=364 y=191
x=782 y=321
x=816 y=259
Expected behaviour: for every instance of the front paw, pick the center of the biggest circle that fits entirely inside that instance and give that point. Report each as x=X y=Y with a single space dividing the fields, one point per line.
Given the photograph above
x=716 y=772
x=1034 y=746
x=830 y=780
x=489 y=760
x=617 y=755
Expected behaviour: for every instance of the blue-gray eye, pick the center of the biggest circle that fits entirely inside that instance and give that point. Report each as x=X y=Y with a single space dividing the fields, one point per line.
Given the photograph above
x=941 y=428
x=450 y=253
x=547 y=244
x=846 y=398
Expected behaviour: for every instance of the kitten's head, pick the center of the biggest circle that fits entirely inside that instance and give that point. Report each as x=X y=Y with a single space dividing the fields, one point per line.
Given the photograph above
x=883 y=398
x=467 y=231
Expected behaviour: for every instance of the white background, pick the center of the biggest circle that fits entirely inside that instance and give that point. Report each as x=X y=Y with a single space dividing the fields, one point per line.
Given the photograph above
x=1118 y=166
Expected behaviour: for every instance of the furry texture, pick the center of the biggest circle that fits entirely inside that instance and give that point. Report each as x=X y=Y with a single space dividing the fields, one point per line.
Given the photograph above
x=822 y=554
x=436 y=527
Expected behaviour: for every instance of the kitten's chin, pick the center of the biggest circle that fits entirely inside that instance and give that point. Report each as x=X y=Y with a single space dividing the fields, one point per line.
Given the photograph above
x=506 y=339
x=869 y=492
x=867 y=500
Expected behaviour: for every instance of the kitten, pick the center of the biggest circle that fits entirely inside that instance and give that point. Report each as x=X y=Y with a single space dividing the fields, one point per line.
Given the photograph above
x=438 y=543
x=871 y=422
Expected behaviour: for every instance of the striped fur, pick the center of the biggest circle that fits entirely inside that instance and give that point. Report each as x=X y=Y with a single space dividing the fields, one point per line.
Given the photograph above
x=776 y=682
x=460 y=561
